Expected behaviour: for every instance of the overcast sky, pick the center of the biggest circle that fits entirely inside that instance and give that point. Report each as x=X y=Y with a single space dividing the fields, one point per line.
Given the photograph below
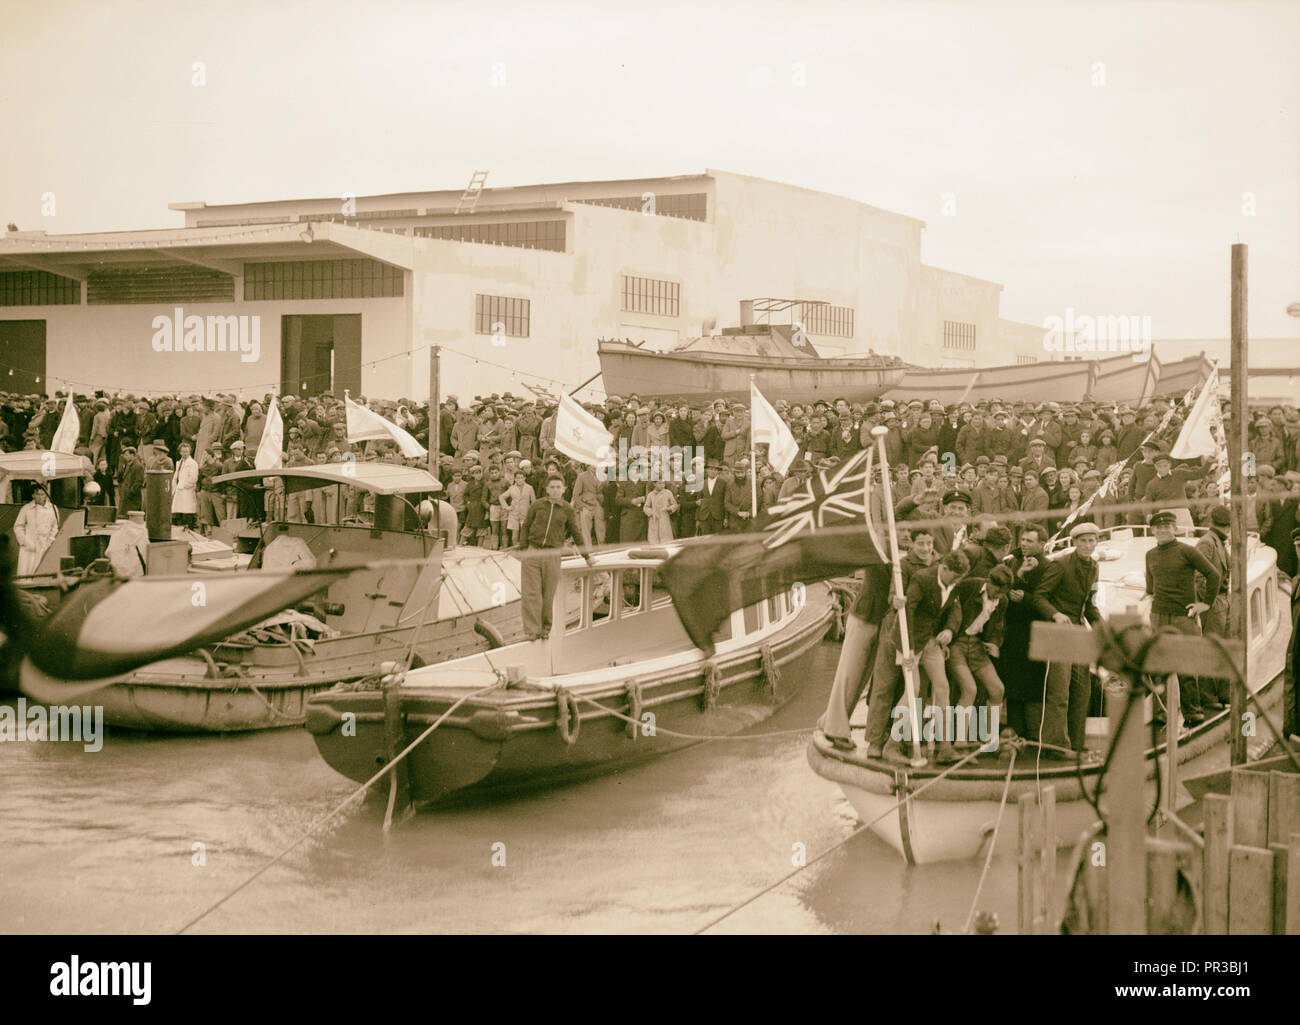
x=1100 y=155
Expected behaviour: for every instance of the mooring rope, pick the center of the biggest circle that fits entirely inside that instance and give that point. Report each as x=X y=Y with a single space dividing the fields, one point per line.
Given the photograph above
x=993 y=844
x=315 y=826
x=834 y=847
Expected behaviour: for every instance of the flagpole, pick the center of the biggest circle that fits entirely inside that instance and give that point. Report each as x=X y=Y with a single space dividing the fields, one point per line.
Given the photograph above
x=435 y=422
x=1237 y=442
x=909 y=663
x=753 y=456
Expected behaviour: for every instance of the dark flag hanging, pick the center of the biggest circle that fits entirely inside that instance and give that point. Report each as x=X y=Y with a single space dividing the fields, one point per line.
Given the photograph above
x=111 y=627
x=710 y=579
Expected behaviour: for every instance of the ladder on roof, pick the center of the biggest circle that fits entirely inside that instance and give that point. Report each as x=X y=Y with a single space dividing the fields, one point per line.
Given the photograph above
x=472 y=191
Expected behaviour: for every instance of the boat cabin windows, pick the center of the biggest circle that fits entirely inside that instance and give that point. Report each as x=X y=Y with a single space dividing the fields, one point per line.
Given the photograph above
x=612 y=595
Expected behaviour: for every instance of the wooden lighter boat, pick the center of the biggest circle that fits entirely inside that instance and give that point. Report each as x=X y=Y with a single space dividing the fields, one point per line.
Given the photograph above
x=952 y=819
x=716 y=368
x=630 y=655
x=447 y=605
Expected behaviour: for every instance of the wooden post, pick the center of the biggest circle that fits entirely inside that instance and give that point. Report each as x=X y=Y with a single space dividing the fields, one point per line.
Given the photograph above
x=399 y=794
x=1237 y=447
x=1250 y=891
x=1163 y=908
x=435 y=421
x=1218 y=842
x=1283 y=806
x=1047 y=812
x=1249 y=808
x=1126 y=832
x=1028 y=862
x=1293 y=892
x=1281 y=873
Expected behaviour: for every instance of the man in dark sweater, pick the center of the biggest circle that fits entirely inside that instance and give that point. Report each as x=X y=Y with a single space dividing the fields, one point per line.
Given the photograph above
x=1169 y=486
x=1171 y=581
x=1065 y=594
x=549 y=523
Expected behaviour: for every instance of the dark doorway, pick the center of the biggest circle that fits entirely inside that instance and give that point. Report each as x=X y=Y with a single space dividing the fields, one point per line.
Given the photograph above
x=320 y=354
x=22 y=356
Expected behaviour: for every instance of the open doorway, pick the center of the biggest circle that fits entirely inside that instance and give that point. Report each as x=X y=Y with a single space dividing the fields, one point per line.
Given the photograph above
x=320 y=354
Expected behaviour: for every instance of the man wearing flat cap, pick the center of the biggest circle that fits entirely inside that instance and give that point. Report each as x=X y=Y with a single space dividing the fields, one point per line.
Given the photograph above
x=1039 y=458
x=1065 y=594
x=1171 y=581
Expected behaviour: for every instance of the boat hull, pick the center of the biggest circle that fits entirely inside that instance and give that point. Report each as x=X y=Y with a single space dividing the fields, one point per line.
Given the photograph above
x=1031 y=382
x=953 y=819
x=184 y=695
x=511 y=740
x=627 y=370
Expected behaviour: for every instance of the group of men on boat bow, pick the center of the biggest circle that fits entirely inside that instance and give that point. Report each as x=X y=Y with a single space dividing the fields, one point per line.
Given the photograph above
x=969 y=607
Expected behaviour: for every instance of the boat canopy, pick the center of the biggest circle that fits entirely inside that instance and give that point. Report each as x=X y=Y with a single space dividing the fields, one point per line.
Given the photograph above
x=378 y=478
x=38 y=464
x=474 y=581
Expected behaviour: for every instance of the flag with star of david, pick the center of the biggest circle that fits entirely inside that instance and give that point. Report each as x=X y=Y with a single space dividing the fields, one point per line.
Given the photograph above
x=796 y=543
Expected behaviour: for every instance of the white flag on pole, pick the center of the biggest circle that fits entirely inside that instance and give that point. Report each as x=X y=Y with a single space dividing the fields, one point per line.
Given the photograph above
x=770 y=429
x=580 y=436
x=270 y=450
x=366 y=425
x=1199 y=436
x=69 y=430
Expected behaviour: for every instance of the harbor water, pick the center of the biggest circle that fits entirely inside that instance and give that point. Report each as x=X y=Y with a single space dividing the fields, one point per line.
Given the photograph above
x=145 y=834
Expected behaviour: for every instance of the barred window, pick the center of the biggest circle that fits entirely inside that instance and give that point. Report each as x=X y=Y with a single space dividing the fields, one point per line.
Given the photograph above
x=1026 y=359
x=691 y=206
x=323 y=279
x=512 y=314
x=650 y=295
x=820 y=319
x=525 y=234
x=38 y=288
x=957 y=335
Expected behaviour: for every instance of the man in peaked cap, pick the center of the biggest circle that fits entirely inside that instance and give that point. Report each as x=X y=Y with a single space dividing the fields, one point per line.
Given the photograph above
x=956 y=510
x=1171 y=569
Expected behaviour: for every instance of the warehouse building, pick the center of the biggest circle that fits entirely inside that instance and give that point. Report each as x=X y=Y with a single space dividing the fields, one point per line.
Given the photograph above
x=514 y=285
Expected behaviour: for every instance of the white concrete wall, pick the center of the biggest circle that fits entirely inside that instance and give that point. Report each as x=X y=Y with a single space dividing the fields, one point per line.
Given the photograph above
x=786 y=242
x=110 y=348
x=1018 y=339
x=946 y=295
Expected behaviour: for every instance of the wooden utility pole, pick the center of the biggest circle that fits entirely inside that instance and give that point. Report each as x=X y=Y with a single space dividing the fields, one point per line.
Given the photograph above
x=435 y=421
x=1236 y=454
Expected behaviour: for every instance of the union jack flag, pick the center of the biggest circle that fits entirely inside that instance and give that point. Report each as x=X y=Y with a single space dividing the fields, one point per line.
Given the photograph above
x=710 y=578
x=833 y=497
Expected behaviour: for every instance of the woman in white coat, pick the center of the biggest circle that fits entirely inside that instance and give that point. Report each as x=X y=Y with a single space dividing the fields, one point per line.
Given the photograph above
x=35 y=530
x=185 y=494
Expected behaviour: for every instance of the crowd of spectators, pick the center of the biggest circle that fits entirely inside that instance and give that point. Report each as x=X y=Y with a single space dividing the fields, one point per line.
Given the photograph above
x=498 y=450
